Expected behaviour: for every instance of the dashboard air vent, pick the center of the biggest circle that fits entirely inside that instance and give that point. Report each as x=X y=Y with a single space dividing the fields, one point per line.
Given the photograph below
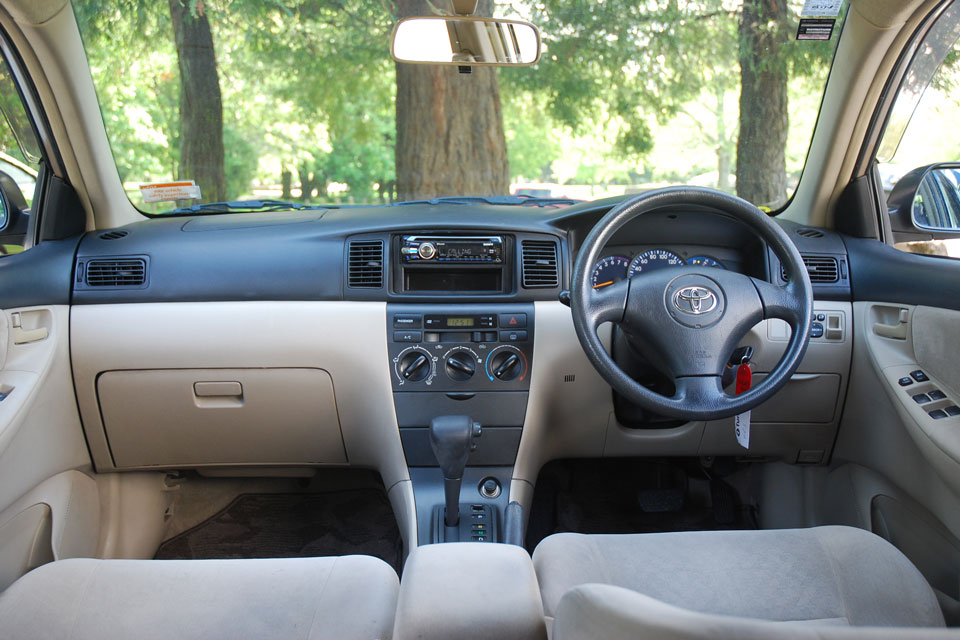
x=807 y=232
x=822 y=269
x=113 y=235
x=116 y=272
x=538 y=263
x=365 y=264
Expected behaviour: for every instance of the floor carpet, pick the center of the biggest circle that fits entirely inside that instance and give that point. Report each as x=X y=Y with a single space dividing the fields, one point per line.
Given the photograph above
x=337 y=523
x=614 y=496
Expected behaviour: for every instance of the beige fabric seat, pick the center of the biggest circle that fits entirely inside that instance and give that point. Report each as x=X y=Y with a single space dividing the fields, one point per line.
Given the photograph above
x=594 y=611
x=343 y=597
x=818 y=576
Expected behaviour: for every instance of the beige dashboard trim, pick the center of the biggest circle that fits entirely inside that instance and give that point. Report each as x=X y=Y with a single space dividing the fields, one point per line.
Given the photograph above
x=346 y=339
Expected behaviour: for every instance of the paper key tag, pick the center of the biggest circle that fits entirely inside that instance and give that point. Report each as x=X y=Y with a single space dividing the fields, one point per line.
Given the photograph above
x=170 y=191
x=741 y=426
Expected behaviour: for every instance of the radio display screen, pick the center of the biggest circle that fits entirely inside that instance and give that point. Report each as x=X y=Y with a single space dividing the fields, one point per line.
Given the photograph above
x=462 y=249
x=461 y=322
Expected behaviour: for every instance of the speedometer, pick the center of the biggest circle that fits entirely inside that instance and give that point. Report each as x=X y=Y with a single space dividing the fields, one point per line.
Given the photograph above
x=652 y=260
x=610 y=270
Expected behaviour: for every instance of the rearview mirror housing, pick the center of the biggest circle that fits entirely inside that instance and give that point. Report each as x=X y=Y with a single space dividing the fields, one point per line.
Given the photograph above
x=465 y=41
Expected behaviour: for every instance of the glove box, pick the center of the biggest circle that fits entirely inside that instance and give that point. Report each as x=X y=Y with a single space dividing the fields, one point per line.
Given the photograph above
x=204 y=417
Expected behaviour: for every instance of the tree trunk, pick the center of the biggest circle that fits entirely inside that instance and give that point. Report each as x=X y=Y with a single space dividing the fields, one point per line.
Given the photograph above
x=761 y=148
x=201 y=111
x=286 y=182
x=450 y=137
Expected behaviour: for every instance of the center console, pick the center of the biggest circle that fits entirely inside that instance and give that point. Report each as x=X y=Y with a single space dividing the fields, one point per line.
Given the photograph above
x=460 y=334
x=461 y=360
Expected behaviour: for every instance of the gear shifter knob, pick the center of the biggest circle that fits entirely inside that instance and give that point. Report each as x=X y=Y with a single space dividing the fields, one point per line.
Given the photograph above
x=452 y=438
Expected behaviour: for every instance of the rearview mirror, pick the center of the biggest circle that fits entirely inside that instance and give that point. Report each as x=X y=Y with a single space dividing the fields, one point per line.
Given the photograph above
x=930 y=198
x=465 y=41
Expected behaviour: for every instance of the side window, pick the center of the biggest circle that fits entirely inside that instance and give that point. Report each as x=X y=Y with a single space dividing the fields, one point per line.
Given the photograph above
x=921 y=131
x=20 y=162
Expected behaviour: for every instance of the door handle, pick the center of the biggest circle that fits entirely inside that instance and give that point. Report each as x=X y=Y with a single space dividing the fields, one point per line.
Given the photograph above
x=23 y=336
x=896 y=331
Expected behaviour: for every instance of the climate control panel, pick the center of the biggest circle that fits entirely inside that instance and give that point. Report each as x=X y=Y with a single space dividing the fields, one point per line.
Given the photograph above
x=460 y=348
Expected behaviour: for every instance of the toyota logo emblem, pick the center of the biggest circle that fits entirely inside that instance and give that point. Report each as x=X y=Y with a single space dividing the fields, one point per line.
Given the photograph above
x=695 y=300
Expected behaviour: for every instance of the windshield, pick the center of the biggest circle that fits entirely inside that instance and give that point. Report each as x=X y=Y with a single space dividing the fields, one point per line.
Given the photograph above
x=300 y=102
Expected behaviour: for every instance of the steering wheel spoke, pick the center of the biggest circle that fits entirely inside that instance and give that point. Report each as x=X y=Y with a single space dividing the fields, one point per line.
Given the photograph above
x=699 y=391
x=607 y=304
x=779 y=302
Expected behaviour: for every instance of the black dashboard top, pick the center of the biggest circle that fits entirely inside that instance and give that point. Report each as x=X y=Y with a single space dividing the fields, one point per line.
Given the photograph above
x=306 y=255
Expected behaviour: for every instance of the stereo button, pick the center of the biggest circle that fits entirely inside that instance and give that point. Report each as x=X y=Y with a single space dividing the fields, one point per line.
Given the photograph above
x=407 y=321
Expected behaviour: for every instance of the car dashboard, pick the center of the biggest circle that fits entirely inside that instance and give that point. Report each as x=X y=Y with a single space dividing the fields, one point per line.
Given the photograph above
x=314 y=338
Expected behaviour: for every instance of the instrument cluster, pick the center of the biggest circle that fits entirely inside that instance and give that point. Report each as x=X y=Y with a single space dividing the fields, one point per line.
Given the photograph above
x=614 y=268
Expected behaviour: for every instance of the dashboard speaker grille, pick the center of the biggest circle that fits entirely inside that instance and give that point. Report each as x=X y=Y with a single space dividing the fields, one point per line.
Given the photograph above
x=822 y=269
x=116 y=272
x=539 y=265
x=365 y=264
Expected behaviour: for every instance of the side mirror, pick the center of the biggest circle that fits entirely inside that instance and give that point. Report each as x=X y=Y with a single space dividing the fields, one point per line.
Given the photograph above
x=4 y=212
x=928 y=199
x=14 y=218
x=465 y=41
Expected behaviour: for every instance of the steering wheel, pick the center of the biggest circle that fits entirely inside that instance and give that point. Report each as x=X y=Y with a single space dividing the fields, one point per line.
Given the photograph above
x=690 y=318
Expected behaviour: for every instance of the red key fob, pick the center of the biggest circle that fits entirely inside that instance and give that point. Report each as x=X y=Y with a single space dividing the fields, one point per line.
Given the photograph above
x=744 y=378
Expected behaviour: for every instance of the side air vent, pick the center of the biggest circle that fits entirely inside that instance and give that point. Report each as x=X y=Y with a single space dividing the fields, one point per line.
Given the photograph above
x=365 y=264
x=807 y=232
x=538 y=264
x=116 y=272
x=113 y=235
x=822 y=269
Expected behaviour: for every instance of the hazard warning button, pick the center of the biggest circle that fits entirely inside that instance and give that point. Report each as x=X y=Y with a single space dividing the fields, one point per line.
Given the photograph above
x=513 y=320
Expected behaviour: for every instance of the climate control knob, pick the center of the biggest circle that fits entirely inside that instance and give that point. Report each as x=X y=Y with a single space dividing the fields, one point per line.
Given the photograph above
x=414 y=366
x=461 y=365
x=506 y=365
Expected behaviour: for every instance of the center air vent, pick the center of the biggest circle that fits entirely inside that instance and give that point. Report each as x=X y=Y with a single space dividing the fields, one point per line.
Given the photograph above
x=539 y=265
x=365 y=264
x=116 y=272
x=822 y=269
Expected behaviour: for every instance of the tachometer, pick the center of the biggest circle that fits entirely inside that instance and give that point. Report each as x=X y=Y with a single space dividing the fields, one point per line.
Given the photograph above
x=705 y=261
x=652 y=260
x=610 y=270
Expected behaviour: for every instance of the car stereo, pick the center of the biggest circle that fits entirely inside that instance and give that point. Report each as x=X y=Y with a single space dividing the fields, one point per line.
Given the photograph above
x=452 y=249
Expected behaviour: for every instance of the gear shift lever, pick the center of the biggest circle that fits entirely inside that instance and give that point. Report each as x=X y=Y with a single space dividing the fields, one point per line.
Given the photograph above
x=452 y=438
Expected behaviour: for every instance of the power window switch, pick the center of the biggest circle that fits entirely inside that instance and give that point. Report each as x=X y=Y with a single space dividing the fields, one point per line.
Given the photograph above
x=936 y=394
x=905 y=381
x=952 y=410
x=921 y=398
x=937 y=414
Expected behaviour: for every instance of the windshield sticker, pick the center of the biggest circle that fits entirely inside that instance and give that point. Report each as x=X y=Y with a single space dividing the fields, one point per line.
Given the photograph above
x=815 y=29
x=821 y=8
x=170 y=191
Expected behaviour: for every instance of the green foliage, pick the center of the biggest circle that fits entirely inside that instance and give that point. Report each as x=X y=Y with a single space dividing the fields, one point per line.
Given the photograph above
x=308 y=88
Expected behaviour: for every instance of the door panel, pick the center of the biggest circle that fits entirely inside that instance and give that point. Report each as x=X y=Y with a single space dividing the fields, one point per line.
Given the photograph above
x=893 y=459
x=43 y=456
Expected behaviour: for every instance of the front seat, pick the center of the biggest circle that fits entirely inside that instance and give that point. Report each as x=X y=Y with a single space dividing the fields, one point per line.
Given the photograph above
x=818 y=576
x=339 y=597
